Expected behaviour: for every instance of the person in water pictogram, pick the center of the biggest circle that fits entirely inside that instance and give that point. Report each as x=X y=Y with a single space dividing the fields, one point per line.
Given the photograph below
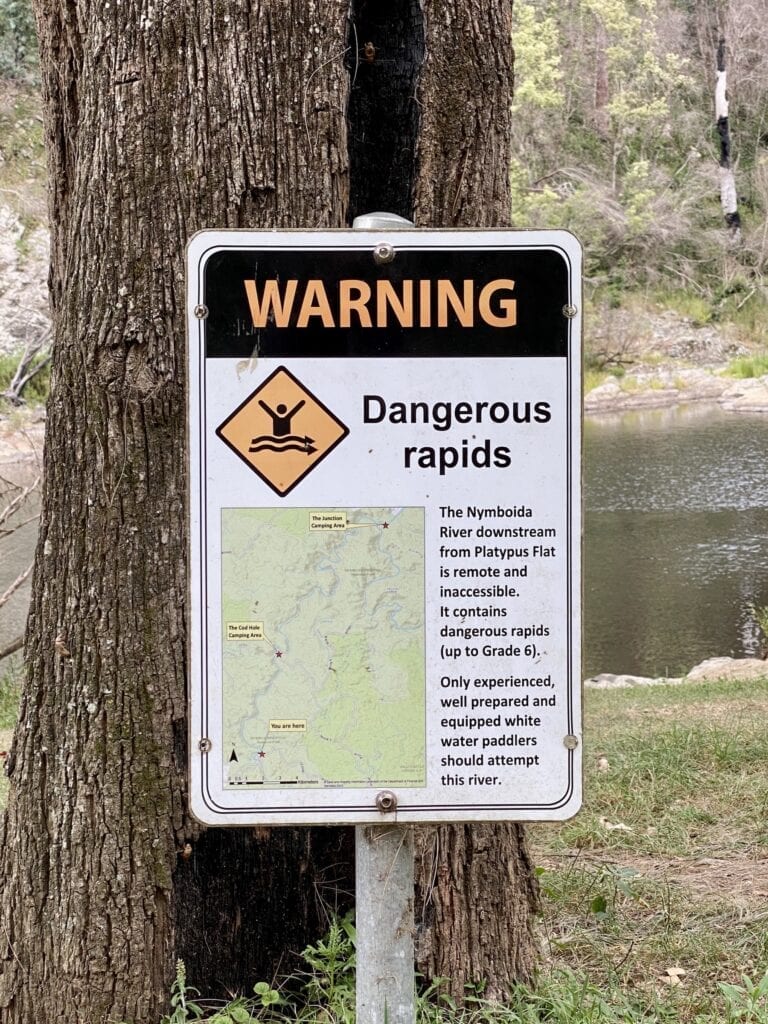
x=281 y=418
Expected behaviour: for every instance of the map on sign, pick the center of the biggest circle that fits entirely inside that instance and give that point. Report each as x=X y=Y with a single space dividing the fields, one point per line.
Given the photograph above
x=323 y=647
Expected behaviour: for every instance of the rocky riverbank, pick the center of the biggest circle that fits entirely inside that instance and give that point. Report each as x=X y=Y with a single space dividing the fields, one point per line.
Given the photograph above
x=662 y=359
x=662 y=386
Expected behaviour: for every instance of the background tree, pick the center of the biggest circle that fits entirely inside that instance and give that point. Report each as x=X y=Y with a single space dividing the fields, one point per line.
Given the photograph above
x=161 y=120
x=620 y=145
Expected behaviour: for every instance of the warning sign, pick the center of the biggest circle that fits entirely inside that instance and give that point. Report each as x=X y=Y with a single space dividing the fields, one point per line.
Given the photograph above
x=407 y=617
x=282 y=431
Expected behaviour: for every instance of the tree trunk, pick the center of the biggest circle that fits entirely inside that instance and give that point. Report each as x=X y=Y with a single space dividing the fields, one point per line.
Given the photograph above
x=159 y=122
x=476 y=889
x=728 y=199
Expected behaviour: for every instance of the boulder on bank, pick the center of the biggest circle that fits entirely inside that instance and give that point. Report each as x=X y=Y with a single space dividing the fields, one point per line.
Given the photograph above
x=709 y=671
x=607 y=681
x=733 y=669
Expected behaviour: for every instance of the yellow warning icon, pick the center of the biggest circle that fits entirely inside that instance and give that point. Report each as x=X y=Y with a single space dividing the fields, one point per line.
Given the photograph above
x=282 y=431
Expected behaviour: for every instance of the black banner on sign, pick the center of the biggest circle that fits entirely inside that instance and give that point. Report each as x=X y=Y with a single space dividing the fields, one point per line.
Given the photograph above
x=427 y=302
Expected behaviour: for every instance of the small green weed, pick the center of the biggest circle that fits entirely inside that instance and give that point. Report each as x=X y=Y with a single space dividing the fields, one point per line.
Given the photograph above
x=747 y=1002
x=328 y=991
x=184 y=1008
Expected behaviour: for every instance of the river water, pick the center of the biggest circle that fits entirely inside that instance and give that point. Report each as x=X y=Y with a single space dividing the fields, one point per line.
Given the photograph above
x=676 y=540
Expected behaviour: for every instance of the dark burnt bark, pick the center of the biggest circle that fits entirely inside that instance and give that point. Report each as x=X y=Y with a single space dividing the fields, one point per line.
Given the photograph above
x=386 y=51
x=161 y=121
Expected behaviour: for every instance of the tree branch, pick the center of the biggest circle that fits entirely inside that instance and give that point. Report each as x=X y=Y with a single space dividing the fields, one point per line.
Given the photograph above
x=5 y=598
x=17 y=644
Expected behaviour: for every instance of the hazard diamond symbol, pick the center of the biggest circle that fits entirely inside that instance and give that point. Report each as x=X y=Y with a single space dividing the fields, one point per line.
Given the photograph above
x=282 y=431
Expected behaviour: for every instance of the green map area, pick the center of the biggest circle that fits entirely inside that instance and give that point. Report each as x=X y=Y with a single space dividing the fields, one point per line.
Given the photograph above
x=323 y=663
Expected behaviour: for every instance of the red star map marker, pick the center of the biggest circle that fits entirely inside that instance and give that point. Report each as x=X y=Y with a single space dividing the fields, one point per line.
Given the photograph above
x=262 y=753
x=278 y=654
x=385 y=525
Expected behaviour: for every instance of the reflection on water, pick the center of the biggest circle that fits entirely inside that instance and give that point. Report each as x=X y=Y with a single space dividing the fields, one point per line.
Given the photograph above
x=676 y=538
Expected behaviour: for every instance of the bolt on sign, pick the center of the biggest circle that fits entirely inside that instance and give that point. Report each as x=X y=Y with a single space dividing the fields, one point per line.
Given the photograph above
x=385 y=521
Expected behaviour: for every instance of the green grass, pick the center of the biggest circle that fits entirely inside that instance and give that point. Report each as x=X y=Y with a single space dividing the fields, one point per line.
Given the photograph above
x=748 y=366
x=653 y=897
x=685 y=302
x=10 y=691
x=595 y=373
x=594 y=378
x=682 y=761
x=664 y=867
x=739 y=309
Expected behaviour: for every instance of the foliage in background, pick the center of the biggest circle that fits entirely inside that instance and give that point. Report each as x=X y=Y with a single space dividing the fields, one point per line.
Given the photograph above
x=36 y=391
x=18 y=44
x=614 y=138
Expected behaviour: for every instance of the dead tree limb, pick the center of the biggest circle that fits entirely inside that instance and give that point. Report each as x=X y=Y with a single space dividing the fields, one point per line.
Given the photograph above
x=11 y=648
x=9 y=511
x=27 y=369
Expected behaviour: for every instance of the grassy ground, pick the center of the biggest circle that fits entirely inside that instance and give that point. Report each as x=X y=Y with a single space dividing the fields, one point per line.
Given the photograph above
x=656 y=892
x=654 y=897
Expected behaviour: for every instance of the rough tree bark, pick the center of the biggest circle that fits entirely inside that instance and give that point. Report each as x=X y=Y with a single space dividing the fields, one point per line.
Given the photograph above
x=160 y=120
x=476 y=888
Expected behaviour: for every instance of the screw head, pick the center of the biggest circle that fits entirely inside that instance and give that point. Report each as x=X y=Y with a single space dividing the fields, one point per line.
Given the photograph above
x=570 y=742
x=383 y=253
x=201 y=312
x=386 y=801
x=570 y=311
x=204 y=745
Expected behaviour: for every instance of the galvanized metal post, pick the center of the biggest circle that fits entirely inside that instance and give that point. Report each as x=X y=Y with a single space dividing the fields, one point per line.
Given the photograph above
x=386 y=986
x=384 y=898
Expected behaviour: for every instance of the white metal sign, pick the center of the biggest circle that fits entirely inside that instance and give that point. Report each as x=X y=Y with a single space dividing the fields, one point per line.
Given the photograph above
x=384 y=444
